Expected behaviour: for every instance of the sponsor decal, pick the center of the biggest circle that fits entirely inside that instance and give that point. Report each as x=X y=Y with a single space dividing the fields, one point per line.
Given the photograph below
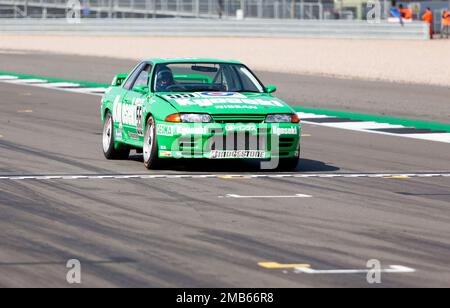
x=222 y=94
x=239 y=154
x=241 y=128
x=181 y=95
x=165 y=153
x=209 y=102
x=236 y=107
x=129 y=114
x=181 y=130
x=133 y=135
x=285 y=131
x=118 y=134
x=164 y=130
x=139 y=127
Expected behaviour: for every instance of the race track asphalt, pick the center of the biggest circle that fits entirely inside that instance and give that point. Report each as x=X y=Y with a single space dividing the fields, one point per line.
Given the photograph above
x=191 y=232
x=419 y=102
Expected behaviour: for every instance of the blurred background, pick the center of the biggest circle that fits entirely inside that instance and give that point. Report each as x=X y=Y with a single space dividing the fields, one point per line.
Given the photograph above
x=235 y=9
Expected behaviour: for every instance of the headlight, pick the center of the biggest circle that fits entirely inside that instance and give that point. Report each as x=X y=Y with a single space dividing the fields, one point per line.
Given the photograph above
x=189 y=118
x=282 y=118
x=195 y=118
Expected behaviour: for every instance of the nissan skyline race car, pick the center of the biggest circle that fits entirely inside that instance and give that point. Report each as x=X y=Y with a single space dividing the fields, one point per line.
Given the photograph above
x=197 y=108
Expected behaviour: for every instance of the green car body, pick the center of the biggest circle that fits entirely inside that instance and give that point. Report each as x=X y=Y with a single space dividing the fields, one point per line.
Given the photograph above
x=224 y=114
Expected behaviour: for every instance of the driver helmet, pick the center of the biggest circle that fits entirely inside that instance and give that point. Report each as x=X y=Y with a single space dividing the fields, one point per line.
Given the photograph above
x=164 y=79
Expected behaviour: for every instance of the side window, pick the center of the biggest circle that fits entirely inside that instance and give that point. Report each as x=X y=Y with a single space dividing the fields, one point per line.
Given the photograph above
x=132 y=78
x=142 y=78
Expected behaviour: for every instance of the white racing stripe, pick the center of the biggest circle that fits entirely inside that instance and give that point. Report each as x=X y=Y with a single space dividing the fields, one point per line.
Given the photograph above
x=390 y=176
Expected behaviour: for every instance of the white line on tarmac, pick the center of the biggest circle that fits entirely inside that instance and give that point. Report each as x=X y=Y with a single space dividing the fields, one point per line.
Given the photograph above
x=268 y=197
x=387 y=176
x=369 y=126
x=4 y=77
x=395 y=269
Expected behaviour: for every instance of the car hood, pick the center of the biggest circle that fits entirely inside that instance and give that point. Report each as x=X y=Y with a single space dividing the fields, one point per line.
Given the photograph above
x=226 y=103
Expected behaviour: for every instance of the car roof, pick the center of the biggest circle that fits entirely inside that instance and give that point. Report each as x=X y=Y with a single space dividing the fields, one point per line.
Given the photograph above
x=190 y=60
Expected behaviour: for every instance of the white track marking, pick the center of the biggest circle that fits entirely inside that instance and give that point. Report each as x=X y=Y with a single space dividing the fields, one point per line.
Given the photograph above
x=444 y=137
x=26 y=81
x=303 y=115
x=354 y=126
x=387 y=176
x=367 y=127
x=361 y=125
x=267 y=197
x=393 y=269
x=59 y=85
x=90 y=90
x=5 y=77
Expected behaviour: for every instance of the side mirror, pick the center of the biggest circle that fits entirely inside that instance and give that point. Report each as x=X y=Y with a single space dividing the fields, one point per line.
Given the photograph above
x=118 y=80
x=141 y=89
x=271 y=89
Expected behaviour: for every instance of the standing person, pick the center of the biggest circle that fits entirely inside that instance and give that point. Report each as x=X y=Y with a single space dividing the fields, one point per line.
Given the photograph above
x=407 y=13
x=445 y=24
x=221 y=8
x=428 y=18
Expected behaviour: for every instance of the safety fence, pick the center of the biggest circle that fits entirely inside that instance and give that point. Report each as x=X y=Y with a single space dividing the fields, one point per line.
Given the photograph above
x=214 y=28
x=282 y=9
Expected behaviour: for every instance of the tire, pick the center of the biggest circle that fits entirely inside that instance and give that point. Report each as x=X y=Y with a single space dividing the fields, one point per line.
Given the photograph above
x=109 y=150
x=288 y=164
x=150 y=148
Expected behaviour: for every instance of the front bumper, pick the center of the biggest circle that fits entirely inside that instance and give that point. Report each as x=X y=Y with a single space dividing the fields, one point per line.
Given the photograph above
x=228 y=141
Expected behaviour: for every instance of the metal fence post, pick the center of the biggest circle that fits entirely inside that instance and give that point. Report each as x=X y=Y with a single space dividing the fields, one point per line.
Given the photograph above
x=276 y=9
x=178 y=4
x=110 y=12
x=197 y=8
x=260 y=9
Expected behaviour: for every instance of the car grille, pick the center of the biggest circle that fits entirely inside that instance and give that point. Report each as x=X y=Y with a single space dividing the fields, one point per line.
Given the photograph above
x=250 y=118
x=286 y=143
x=239 y=141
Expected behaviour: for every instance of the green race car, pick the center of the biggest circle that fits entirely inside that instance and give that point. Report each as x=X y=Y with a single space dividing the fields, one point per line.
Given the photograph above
x=198 y=108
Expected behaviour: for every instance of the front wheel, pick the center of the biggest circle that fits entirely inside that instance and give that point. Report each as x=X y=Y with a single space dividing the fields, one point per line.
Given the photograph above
x=288 y=164
x=150 y=150
x=109 y=149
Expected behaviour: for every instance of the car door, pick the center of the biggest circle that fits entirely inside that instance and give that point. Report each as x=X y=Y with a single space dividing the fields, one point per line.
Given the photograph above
x=133 y=102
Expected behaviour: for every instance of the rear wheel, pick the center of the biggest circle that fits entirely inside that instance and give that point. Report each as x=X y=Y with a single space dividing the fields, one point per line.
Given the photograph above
x=150 y=150
x=109 y=149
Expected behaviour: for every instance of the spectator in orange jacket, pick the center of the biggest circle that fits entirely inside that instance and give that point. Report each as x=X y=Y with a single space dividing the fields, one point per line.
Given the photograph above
x=445 y=24
x=428 y=18
x=407 y=14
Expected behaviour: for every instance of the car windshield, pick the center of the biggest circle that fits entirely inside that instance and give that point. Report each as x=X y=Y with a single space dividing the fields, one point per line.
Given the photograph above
x=197 y=77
